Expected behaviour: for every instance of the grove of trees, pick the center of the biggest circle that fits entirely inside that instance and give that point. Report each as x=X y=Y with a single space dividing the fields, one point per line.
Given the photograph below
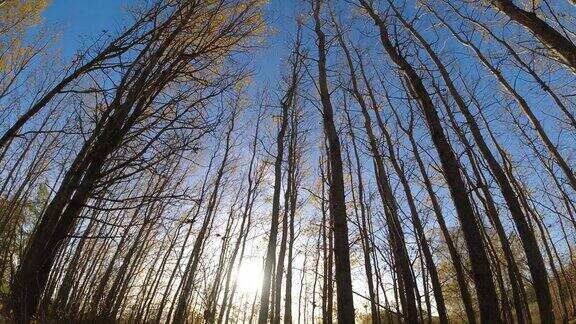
x=290 y=161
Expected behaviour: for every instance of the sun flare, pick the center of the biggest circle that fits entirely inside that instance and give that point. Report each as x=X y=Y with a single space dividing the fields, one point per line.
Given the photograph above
x=250 y=276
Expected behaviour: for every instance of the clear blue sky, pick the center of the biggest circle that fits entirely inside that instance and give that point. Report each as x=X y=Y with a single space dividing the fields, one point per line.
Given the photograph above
x=82 y=18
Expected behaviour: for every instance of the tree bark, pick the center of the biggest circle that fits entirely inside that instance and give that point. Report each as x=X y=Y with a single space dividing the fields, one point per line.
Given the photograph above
x=337 y=200
x=486 y=292
x=559 y=44
x=286 y=103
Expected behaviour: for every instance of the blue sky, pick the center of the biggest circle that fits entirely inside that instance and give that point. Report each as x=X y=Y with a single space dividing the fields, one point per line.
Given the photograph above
x=82 y=18
x=78 y=21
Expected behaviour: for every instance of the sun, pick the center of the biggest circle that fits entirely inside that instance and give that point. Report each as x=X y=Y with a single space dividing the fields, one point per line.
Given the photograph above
x=250 y=276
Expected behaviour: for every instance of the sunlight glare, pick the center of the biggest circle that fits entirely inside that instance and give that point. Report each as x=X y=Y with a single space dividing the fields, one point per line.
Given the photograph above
x=250 y=276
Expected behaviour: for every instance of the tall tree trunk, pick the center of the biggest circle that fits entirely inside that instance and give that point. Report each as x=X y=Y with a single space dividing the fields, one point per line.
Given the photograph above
x=286 y=103
x=525 y=107
x=541 y=82
x=390 y=207
x=560 y=45
x=337 y=198
x=283 y=241
x=454 y=255
x=433 y=272
x=182 y=304
x=253 y=184
x=296 y=153
x=363 y=225
x=58 y=220
x=486 y=292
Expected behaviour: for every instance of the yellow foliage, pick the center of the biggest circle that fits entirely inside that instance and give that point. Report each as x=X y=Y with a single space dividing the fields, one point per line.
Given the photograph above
x=16 y=16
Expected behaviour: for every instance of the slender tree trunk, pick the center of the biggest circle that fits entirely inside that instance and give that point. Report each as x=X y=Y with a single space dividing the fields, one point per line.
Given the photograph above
x=296 y=153
x=253 y=183
x=390 y=208
x=541 y=82
x=182 y=305
x=533 y=255
x=282 y=253
x=525 y=107
x=364 y=226
x=337 y=198
x=485 y=289
x=286 y=103
x=454 y=255
x=560 y=45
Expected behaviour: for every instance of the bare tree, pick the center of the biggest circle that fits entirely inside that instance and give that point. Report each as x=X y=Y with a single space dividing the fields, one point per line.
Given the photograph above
x=286 y=103
x=559 y=44
x=337 y=199
x=480 y=265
